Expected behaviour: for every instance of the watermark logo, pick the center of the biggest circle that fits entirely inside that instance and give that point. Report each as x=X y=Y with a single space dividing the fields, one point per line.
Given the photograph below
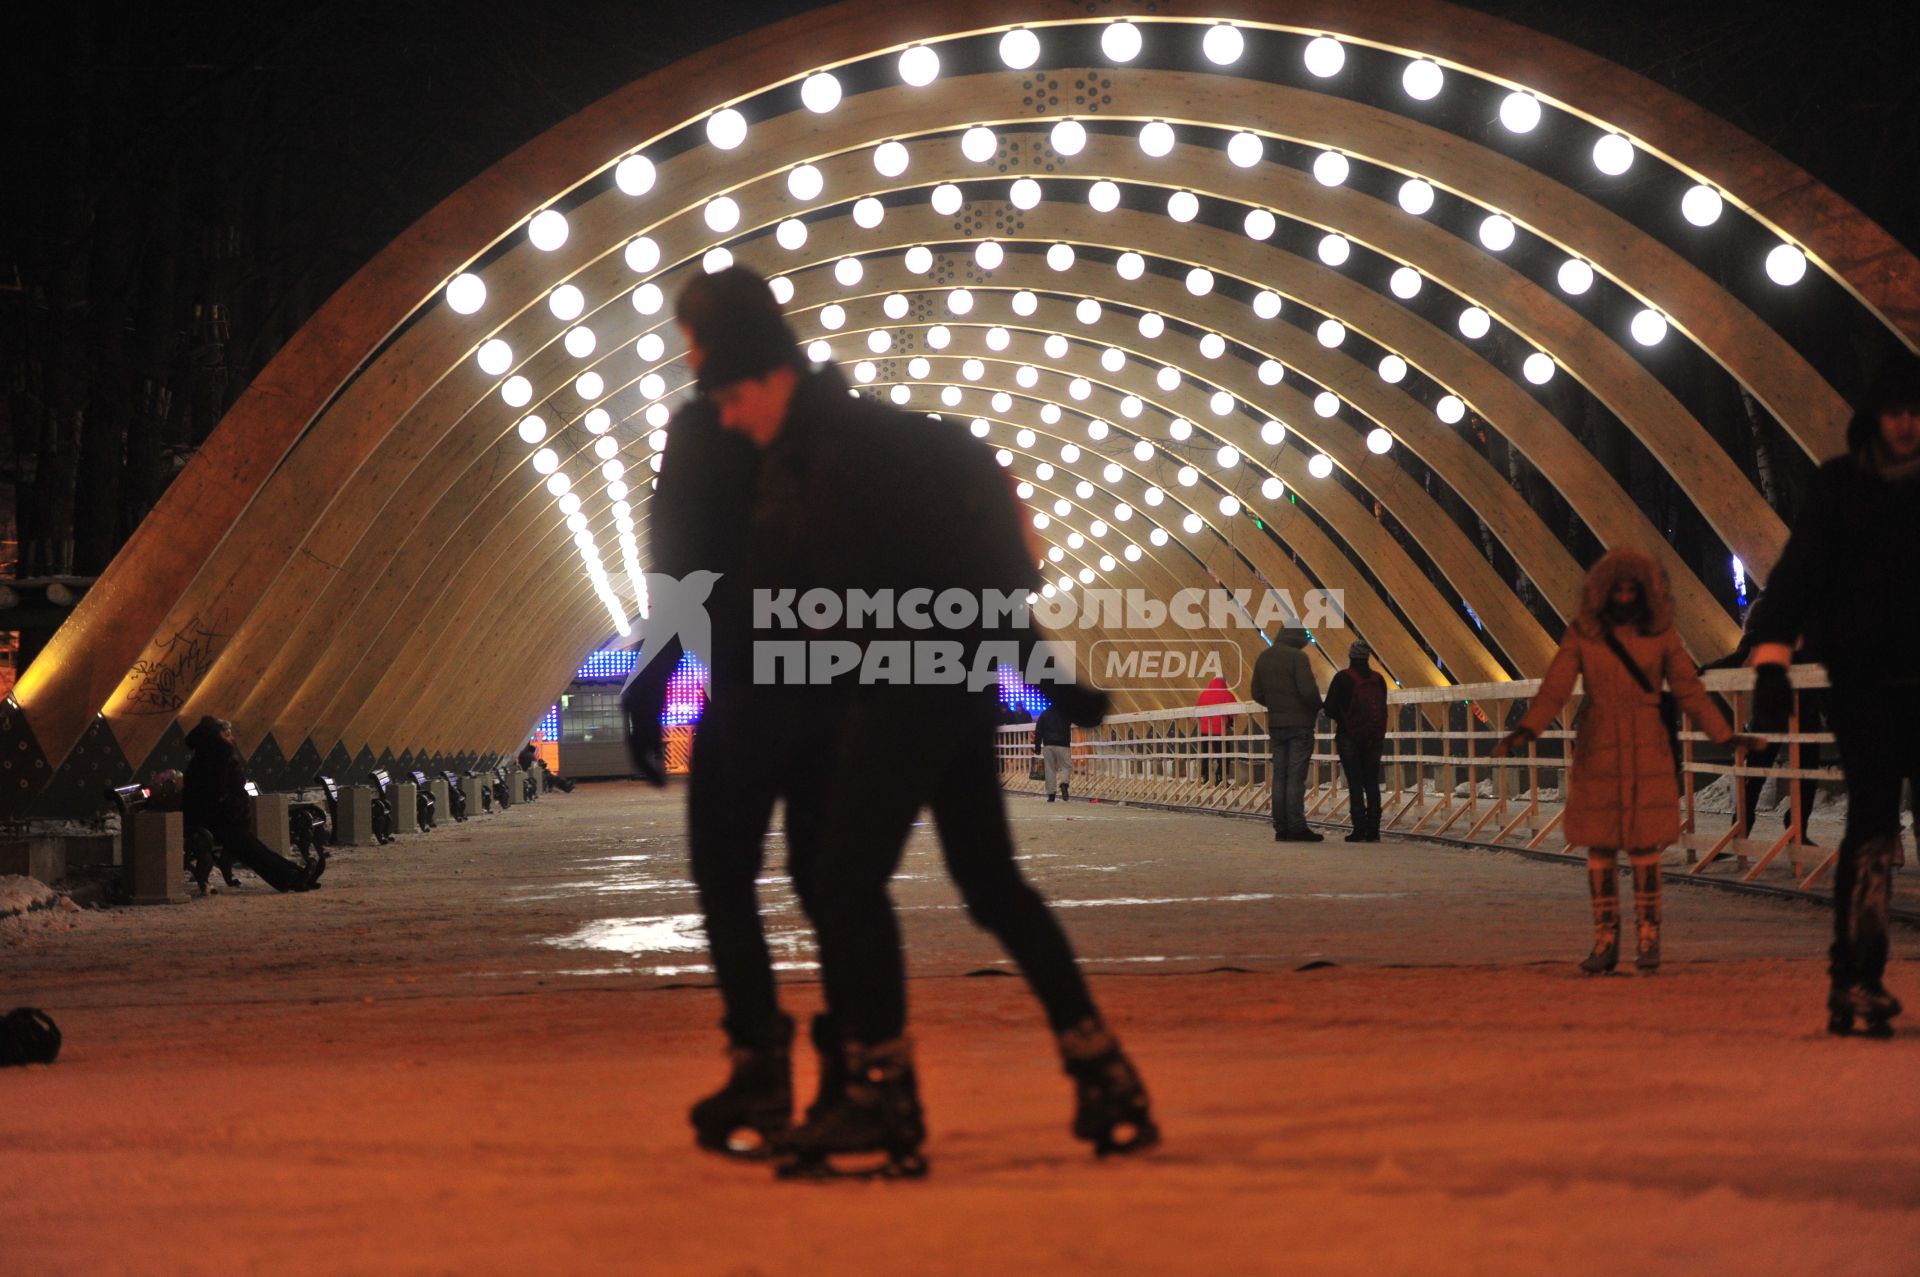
x=677 y=608
x=1182 y=665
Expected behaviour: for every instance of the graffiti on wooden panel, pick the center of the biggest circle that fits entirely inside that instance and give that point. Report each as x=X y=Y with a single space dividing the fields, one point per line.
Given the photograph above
x=162 y=680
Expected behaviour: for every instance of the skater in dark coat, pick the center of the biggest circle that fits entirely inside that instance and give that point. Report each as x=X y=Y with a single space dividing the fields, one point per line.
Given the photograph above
x=1283 y=682
x=847 y=494
x=1357 y=704
x=1053 y=741
x=215 y=799
x=1852 y=566
x=1622 y=789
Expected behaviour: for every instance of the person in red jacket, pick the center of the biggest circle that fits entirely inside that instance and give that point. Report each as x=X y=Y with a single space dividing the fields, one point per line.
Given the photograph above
x=1214 y=729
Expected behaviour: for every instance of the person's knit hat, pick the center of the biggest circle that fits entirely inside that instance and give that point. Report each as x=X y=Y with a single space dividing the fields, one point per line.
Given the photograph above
x=1360 y=651
x=1895 y=385
x=733 y=317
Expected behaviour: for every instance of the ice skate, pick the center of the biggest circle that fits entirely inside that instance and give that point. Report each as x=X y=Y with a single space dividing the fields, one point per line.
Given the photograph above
x=871 y=1129
x=1647 y=951
x=1606 y=951
x=743 y=1117
x=1110 y=1104
x=1869 y=1012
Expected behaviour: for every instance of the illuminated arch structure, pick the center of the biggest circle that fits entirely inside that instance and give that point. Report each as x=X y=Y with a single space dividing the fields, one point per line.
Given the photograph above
x=1247 y=293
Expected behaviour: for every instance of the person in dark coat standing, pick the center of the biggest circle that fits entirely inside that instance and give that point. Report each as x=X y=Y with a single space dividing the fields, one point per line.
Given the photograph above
x=1053 y=741
x=1357 y=704
x=1283 y=682
x=1852 y=567
x=215 y=799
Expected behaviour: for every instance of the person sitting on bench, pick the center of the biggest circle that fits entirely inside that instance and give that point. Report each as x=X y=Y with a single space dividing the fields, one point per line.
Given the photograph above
x=216 y=801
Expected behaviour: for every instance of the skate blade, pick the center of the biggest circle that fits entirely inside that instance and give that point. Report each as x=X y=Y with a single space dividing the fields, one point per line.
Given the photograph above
x=1125 y=1139
x=854 y=1166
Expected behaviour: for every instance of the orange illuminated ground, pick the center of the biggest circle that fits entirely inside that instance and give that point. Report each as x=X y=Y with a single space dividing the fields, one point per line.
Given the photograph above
x=473 y=1051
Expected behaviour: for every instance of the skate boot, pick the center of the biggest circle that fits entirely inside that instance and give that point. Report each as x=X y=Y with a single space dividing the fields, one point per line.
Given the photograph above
x=1606 y=951
x=743 y=1117
x=1647 y=951
x=1110 y=1104
x=872 y=1129
x=1873 y=1009
x=832 y=1050
x=1063 y=793
x=1645 y=865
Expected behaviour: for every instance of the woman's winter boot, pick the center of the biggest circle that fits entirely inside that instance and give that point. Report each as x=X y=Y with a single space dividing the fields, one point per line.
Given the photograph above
x=1603 y=884
x=1646 y=907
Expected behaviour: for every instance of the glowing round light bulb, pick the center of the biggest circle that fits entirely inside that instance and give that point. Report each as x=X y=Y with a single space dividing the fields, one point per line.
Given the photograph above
x=722 y=214
x=919 y=66
x=1180 y=428
x=1497 y=233
x=1266 y=304
x=1193 y=523
x=548 y=230
x=890 y=159
x=1019 y=49
x=1212 y=346
x=1103 y=196
x=1393 y=369
x=879 y=341
x=1450 y=409
x=1025 y=193
x=1113 y=360
x=791 y=234
x=1069 y=137
x=978 y=427
x=1025 y=302
x=1330 y=168
x=1183 y=206
x=1475 y=323
x=918 y=260
x=652 y=386
x=805 y=183
x=516 y=392
x=988 y=255
x=634 y=175
x=588 y=385
x=1244 y=150
x=1272 y=489
x=1575 y=277
x=1152 y=325
x=998 y=338
x=1087 y=311
x=1070 y=453
x=1156 y=138
x=1422 y=79
x=848 y=271
x=1273 y=434
x=1324 y=56
x=1024 y=438
x=1520 y=112
x=1221 y=403
x=1320 y=465
x=1416 y=196
x=1130 y=406
x=1120 y=41
x=466 y=293
x=1168 y=379
x=1786 y=265
x=782 y=289
x=546 y=461
x=1649 y=327
x=1334 y=249
x=1330 y=333
x=642 y=255
x=833 y=316
x=650 y=347
x=566 y=302
x=558 y=484
x=865 y=371
x=1199 y=281
x=868 y=213
x=1223 y=44
x=1701 y=205
x=1271 y=372
x=532 y=429
x=598 y=421
x=726 y=128
x=979 y=144
x=1130 y=265
x=1405 y=283
x=1228 y=457
x=1326 y=403
x=960 y=301
x=605 y=448
x=820 y=92
x=1537 y=368
x=494 y=357
x=1613 y=154
x=1142 y=451
x=1158 y=536
x=1079 y=387
x=1260 y=224
x=939 y=336
x=1004 y=457
x=973 y=369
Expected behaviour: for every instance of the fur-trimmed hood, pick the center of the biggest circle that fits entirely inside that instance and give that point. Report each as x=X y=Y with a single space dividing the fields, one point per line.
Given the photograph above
x=1625 y=565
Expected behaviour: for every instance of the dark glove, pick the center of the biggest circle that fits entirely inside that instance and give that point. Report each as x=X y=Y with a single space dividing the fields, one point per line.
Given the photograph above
x=1083 y=706
x=1772 y=698
x=1517 y=739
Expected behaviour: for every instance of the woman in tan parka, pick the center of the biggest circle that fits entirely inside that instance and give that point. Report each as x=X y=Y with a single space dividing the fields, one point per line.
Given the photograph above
x=1622 y=788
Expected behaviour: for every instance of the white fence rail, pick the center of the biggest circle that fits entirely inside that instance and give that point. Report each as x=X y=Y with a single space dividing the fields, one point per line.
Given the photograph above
x=1439 y=780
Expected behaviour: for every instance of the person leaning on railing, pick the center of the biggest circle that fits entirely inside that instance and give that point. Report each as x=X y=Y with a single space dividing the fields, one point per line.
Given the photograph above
x=1622 y=790
x=1852 y=568
x=216 y=800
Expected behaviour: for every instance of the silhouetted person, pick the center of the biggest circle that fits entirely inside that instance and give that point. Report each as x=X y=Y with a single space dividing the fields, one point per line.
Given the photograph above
x=1283 y=682
x=1852 y=568
x=216 y=800
x=1053 y=741
x=1357 y=704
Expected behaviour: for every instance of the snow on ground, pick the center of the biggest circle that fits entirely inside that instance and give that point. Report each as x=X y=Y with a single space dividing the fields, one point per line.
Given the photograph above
x=472 y=1052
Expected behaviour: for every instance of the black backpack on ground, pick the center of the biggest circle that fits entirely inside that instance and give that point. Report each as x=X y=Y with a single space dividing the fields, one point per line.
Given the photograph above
x=28 y=1035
